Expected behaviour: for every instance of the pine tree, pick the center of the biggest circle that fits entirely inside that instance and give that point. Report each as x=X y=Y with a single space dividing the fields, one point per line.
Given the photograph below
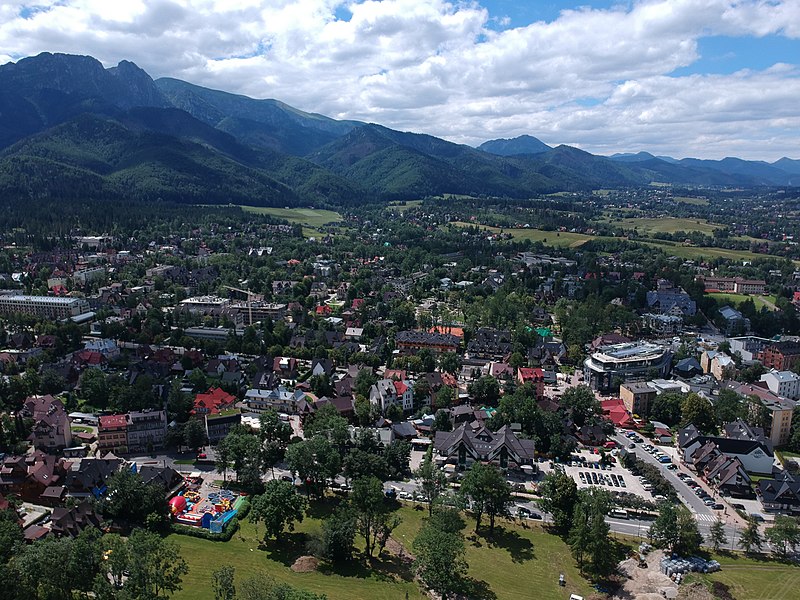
x=717 y=534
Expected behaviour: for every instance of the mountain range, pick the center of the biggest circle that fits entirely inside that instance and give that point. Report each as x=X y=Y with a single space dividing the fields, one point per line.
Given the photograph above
x=72 y=129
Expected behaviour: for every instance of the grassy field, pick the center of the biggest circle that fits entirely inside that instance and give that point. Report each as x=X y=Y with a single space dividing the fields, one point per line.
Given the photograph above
x=737 y=299
x=703 y=252
x=310 y=218
x=754 y=579
x=517 y=562
x=667 y=225
x=402 y=207
x=558 y=239
x=691 y=200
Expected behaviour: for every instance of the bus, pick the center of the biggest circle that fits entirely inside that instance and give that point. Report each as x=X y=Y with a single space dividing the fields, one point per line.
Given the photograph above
x=618 y=513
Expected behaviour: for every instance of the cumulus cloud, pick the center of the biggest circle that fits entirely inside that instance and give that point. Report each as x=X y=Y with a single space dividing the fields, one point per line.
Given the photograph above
x=600 y=79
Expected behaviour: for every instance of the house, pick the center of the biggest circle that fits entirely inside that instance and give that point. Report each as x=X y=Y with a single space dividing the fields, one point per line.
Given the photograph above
x=279 y=399
x=412 y=341
x=687 y=368
x=218 y=426
x=147 y=430
x=214 y=401
x=667 y=299
x=70 y=522
x=779 y=409
x=617 y=412
x=490 y=343
x=733 y=320
x=465 y=445
x=321 y=366
x=89 y=476
x=783 y=383
x=782 y=356
x=112 y=433
x=533 y=376
x=51 y=430
x=637 y=397
x=386 y=392
x=728 y=475
x=781 y=494
x=722 y=367
x=752 y=449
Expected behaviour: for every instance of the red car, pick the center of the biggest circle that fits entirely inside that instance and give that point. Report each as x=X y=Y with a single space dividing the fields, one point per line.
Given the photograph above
x=202 y=455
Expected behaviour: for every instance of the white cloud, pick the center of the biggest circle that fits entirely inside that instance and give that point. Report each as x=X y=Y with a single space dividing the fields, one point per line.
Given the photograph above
x=600 y=79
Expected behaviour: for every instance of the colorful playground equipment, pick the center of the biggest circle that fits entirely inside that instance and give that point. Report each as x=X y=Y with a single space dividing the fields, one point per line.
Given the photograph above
x=213 y=512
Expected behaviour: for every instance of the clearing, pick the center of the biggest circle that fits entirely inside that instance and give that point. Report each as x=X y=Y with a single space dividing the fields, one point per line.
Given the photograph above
x=310 y=218
x=767 y=302
x=650 y=226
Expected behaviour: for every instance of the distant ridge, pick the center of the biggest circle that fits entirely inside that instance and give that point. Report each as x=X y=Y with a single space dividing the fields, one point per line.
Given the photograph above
x=523 y=144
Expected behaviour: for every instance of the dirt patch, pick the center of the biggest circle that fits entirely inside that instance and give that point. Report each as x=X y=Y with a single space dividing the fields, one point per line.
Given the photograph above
x=643 y=583
x=694 y=591
x=305 y=564
x=397 y=549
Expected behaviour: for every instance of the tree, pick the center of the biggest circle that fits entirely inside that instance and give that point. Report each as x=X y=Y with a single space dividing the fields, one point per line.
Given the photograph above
x=366 y=412
x=397 y=455
x=750 y=538
x=222 y=583
x=262 y=587
x=485 y=390
x=489 y=491
x=422 y=393
x=156 y=567
x=441 y=421
x=432 y=481
x=441 y=554
x=364 y=381
x=588 y=536
x=278 y=507
x=783 y=534
x=728 y=407
x=223 y=459
x=374 y=521
x=559 y=494
x=131 y=499
x=666 y=408
x=664 y=530
x=450 y=362
x=314 y=460
x=581 y=403
x=194 y=434
x=445 y=397
x=115 y=548
x=244 y=450
x=337 y=540
x=359 y=463
x=698 y=411
x=689 y=538
x=10 y=534
x=717 y=534
x=274 y=435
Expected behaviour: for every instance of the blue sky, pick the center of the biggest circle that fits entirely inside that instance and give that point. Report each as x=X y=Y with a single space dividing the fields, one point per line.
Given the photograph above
x=704 y=78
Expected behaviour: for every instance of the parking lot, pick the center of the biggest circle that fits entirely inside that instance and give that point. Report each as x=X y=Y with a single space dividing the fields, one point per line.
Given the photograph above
x=588 y=472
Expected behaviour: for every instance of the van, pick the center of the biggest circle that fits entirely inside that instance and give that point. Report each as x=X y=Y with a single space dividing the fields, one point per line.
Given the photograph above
x=618 y=513
x=283 y=416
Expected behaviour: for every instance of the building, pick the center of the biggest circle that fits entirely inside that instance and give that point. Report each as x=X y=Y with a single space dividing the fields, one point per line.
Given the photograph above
x=621 y=363
x=489 y=343
x=51 y=430
x=147 y=430
x=746 y=443
x=112 y=434
x=386 y=392
x=733 y=321
x=218 y=426
x=667 y=299
x=412 y=341
x=203 y=305
x=84 y=276
x=737 y=285
x=279 y=399
x=749 y=348
x=44 y=306
x=534 y=376
x=780 y=410
x=213 y=402
x=782 y=356
x=637 y=397
x=781 y=494
x=783 y=383
x=464 y=446
x=663 y=324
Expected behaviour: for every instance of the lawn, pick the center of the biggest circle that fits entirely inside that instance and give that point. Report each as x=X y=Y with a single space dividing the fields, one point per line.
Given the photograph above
x=402 y=207
x=691 y=200
x=737 y=299
x=310 y=218
x=665 y=225
x=519 y=561
x=703 y=252
x=755 y=579
x=560 y=239
x=81 y=429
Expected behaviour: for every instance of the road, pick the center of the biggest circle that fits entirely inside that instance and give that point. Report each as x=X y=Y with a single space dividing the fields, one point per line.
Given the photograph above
x=701 y=512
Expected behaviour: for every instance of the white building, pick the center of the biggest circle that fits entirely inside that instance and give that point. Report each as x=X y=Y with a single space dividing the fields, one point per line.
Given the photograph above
x=783 y=383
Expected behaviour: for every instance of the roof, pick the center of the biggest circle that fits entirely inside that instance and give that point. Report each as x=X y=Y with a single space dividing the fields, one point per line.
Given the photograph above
x=484 y=444
x=213 y=400
x=113 y=421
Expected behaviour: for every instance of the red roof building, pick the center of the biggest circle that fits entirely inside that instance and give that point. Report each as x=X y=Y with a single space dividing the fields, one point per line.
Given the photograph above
x=112 y=433
x=534 y=376
x=212 y=402
x=616 y=412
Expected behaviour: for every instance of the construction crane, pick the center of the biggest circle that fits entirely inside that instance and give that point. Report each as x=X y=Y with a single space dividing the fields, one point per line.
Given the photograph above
x=250 y=295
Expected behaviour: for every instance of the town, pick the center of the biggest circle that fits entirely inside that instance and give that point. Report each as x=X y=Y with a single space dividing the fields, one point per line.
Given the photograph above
x=334 y=387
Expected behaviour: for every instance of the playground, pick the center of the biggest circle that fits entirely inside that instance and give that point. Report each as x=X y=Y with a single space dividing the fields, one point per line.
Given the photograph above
x=205 y=507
